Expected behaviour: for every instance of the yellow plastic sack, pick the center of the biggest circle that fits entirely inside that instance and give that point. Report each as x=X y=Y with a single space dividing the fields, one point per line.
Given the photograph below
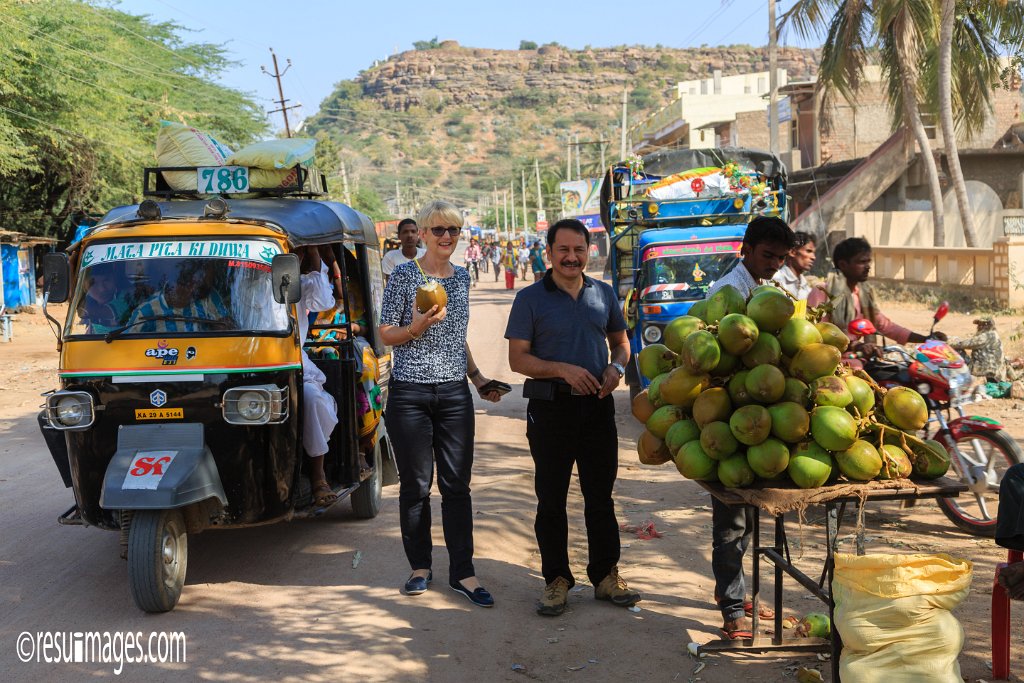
x=893 y=613
x=180 y=145
x=275 y=154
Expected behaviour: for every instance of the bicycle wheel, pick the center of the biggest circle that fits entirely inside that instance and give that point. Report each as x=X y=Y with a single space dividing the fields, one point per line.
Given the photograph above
x=975 y=510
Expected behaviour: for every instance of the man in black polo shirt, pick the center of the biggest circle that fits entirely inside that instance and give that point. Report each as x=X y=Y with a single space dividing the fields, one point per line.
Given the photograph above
x=559 y=333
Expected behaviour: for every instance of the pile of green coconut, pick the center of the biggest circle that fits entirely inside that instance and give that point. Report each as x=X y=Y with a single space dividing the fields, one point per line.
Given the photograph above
x=744 y=392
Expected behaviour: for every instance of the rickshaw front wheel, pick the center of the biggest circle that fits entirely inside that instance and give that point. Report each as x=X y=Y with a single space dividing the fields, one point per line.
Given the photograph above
x=367 y=498
x=157 y=559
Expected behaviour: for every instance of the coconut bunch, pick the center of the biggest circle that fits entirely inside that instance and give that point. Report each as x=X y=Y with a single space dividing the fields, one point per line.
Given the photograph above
x=742 y=391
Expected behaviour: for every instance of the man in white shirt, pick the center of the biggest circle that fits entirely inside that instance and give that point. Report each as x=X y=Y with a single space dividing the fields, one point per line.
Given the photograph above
x=766 y=244
x=409 y=236
x=800 y=260
x=524 y=258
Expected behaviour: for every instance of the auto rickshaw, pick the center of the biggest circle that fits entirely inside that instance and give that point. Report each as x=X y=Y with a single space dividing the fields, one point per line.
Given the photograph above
x=180 y=404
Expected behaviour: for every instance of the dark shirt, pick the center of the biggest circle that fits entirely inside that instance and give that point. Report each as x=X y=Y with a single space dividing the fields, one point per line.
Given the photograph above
x=566 y=330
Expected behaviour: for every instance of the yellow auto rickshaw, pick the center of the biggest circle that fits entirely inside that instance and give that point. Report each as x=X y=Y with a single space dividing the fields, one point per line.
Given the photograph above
x=181 y=385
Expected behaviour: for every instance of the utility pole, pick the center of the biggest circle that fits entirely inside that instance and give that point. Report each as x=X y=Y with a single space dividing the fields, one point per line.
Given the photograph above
x=280 y=92
x=398 y=200
x=540 y=198
x=504 y=208
x=577 y=140
x=603 y=167
x=526 y=222
x=512 y=201
x=622 y=142
x=344 y=185
x=773 y=82
x=497 y=216
x=568 y=159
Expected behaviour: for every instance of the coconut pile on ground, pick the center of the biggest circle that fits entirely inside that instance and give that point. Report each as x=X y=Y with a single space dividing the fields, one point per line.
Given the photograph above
x=746 y=393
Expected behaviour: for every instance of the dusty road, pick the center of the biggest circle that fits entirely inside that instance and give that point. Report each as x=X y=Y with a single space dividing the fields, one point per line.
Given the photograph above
x=319 y=599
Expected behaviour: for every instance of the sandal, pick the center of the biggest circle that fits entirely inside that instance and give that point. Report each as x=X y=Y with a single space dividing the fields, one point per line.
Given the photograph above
x=737 y=634
x=763 y=612
x=323 y=495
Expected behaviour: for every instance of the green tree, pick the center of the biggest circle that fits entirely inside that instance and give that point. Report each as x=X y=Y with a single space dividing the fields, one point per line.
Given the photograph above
x=366 y=199
x=431 y=44
x=80 y=108
x=527 y=45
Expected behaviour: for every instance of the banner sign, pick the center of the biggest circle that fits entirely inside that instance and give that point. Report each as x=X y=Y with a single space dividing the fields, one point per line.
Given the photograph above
x=667 y=250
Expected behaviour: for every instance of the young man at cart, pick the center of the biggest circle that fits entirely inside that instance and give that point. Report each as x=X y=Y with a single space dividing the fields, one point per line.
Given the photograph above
x=409 y=236
x=766 y=245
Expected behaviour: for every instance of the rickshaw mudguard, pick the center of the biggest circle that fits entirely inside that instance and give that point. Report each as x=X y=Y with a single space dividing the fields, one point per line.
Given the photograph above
x=159 y=467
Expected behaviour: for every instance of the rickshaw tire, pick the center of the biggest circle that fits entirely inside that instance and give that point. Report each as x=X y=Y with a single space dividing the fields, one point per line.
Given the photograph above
x=157 y=559
x=366 y=499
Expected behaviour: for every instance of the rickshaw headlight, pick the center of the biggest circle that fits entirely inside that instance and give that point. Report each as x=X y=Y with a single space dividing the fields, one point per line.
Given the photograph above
x=253 y=405
x=70 y=410
x=264 y=404
x=652 y=334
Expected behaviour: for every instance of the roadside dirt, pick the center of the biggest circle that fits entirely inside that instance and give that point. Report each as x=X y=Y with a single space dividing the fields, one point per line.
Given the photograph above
x=318 y=599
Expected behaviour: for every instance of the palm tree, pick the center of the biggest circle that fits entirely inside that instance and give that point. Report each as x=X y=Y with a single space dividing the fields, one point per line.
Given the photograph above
x=894 y=31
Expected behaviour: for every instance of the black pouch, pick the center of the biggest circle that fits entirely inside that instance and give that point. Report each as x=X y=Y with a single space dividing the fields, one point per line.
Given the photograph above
x=540 y=389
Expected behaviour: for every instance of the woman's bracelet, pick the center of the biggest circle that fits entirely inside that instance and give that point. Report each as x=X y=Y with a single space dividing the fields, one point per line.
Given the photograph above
x=412 y=334
x=474 y=374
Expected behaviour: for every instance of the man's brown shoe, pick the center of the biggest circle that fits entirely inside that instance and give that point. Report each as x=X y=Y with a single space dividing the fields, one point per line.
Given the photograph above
x=614 y=589
x=555 y=598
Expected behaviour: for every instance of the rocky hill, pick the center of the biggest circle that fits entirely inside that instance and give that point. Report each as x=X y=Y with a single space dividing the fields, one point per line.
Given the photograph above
x=455 y=121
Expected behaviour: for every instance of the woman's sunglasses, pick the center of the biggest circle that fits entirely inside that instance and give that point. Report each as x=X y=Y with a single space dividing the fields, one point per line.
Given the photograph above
x=440 y=231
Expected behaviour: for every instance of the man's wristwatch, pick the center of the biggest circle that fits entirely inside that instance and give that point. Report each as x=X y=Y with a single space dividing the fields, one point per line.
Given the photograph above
x=619 y=369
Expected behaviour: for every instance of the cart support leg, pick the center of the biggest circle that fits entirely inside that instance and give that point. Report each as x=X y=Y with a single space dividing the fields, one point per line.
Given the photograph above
x=832 y=538
x=780 y=534
x=755 y=591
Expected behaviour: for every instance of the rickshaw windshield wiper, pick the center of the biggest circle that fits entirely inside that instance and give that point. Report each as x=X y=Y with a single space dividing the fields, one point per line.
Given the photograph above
x=115 y=333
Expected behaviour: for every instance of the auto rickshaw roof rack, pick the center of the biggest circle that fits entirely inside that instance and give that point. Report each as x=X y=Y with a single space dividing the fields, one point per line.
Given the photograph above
x=310 y=183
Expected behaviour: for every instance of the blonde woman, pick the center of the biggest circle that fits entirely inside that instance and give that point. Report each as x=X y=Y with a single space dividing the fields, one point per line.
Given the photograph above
x=430 y=413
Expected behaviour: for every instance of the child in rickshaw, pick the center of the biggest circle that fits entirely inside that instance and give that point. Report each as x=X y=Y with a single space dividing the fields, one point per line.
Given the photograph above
x=105 y=306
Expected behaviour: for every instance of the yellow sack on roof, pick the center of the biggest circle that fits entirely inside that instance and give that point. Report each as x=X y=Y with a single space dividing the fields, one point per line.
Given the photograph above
x=181 y=145
x=894 y=615
x=275 y=154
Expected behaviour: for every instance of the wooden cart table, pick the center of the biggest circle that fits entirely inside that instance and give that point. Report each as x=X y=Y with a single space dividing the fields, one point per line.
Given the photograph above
x=775 y=502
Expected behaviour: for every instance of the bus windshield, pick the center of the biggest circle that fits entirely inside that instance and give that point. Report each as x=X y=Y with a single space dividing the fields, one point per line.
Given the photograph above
x=177 y=286
x=684 y=272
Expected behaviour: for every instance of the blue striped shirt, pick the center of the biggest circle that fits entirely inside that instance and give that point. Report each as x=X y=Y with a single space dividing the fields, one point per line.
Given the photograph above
x=210 y=307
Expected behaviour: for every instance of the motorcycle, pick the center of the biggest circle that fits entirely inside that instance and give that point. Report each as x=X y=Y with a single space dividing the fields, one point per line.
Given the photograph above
x=979 y=448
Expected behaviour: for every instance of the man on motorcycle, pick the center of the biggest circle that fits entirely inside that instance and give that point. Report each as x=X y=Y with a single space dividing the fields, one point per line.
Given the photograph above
x=852 y=297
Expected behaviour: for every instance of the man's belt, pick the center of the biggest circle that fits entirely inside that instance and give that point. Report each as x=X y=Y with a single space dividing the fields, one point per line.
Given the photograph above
x=546 y=389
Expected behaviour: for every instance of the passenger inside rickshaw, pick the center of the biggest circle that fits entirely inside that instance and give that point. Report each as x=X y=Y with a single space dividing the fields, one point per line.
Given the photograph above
x=329 y=327
x=186 y=300
x=106 y=304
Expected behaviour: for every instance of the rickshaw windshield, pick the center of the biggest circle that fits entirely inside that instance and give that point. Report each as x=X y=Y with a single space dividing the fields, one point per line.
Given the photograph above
x=684 y=272
x=177 y=286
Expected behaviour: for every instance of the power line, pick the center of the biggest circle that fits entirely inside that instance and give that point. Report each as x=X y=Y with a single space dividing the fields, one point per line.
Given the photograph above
x=72 y=133
x=159 y=44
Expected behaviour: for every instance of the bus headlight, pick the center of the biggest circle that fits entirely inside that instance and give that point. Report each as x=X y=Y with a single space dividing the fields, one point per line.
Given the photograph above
x=264 y=404
x=652 y=334
x=70 y=410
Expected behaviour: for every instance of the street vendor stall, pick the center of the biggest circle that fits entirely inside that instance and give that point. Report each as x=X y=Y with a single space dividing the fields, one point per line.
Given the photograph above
x=776 y=502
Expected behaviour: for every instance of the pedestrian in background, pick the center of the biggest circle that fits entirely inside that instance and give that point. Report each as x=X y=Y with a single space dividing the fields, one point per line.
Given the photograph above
x=430 y=413
x=559 y=334
x=510 y=261
x=524 y=259
x=496 y=259
x=409 y=236
x=537 y=261
x=792 y=275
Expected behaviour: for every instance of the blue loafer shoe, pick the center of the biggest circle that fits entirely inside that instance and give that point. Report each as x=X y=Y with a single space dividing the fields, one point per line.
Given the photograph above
x=479 y=597
x=417 y=585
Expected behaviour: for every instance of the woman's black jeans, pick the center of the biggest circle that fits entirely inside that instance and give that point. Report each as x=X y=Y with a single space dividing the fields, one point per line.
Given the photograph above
x=428 y=422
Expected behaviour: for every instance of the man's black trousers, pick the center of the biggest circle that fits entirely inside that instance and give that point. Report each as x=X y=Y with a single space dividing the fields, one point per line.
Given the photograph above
x=561 y=432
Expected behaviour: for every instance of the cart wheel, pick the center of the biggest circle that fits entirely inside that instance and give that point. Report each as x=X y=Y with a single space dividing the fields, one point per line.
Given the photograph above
x=157 y=558
x=366 y=498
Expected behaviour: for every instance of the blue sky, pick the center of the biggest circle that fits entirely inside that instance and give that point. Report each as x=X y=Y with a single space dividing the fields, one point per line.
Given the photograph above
x=332 y=41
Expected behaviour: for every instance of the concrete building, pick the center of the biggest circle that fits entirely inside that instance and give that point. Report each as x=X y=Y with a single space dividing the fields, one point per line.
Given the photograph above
x=683 y=122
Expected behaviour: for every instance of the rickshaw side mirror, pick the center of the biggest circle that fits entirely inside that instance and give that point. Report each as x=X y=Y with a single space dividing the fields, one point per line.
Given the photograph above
x=56 y=277
x=284 y=272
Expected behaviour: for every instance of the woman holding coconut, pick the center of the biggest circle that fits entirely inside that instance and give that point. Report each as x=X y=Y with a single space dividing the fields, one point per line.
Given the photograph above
x=430 y=410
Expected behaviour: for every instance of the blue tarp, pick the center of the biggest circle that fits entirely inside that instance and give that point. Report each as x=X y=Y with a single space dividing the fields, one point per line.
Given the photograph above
x=18 y=274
